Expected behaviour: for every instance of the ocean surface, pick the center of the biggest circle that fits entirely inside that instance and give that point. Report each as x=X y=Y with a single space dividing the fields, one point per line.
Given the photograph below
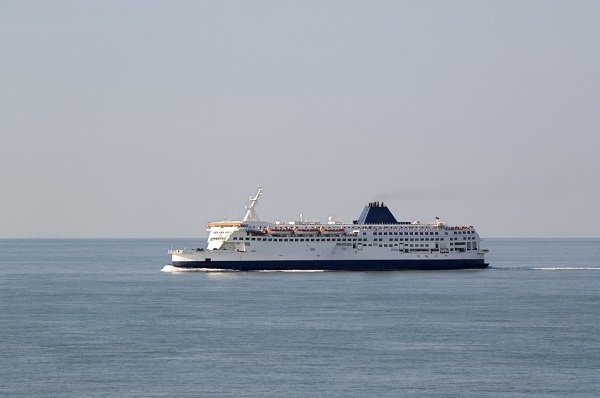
x=98 y=318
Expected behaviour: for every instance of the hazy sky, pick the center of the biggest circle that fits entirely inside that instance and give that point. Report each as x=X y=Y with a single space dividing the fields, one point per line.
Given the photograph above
x=150 y=118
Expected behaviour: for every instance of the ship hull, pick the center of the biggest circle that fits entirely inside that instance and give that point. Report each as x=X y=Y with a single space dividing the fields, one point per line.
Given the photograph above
x=337 y=265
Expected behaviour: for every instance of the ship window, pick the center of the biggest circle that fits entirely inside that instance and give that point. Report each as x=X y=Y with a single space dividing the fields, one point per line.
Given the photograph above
x=312 y=240
x=270 y=239
x=328 y=239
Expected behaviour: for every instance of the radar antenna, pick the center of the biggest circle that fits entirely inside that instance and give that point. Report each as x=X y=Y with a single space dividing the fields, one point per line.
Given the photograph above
x=250 y=214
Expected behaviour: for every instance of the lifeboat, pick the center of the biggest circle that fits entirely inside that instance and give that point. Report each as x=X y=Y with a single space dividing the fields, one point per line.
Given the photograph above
x=307 y=230
x=257 y=232
x=331 y=231
x=279 y=231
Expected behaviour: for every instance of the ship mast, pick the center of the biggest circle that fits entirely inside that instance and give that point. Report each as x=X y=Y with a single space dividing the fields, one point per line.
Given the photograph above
x=250 y=214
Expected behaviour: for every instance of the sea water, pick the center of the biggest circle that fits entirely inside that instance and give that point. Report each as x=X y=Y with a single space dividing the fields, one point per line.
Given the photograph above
x=98 y=318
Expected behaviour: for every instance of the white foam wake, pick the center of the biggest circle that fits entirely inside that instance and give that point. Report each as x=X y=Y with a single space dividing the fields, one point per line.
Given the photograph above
x=170 y=268
x=567 y=268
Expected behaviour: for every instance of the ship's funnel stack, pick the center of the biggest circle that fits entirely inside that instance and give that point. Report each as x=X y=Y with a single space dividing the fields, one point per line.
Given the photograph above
x=376 y=213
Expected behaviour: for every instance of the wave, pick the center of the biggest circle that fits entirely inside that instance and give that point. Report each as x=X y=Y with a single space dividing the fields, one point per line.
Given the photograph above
x=558 y=268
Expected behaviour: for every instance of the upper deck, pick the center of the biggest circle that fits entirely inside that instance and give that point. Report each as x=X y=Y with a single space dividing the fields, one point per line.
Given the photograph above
x=376 y=224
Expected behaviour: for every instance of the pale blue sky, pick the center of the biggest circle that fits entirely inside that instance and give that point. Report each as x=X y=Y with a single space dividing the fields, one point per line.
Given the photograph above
x=150 y=118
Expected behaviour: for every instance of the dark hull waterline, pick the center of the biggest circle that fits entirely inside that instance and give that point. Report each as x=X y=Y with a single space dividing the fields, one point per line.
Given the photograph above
x=336 y=265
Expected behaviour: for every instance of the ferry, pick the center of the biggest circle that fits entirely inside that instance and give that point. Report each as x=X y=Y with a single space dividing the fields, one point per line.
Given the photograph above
x=376 y=241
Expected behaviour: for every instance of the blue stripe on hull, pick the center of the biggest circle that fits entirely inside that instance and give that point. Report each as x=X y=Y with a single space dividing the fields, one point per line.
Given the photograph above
x=335 y=265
